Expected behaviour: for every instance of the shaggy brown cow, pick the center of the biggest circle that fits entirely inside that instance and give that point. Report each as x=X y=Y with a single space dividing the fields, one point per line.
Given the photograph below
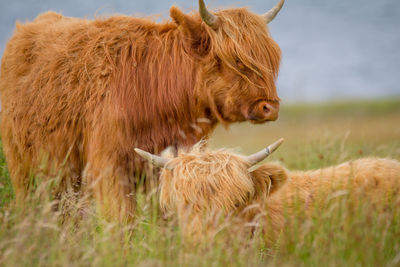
x=198 y=185
x=83 y=93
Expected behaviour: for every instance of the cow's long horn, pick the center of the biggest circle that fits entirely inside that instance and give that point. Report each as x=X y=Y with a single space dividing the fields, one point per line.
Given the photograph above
x=270 y=15
x=155 y=160
x=260 y=155
x=206 y=15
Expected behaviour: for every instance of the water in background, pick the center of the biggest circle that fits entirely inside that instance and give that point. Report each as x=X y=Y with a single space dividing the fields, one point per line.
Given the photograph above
x=331 y=49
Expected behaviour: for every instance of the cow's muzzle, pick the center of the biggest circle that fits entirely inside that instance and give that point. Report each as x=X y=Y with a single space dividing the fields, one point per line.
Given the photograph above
x=262 y=111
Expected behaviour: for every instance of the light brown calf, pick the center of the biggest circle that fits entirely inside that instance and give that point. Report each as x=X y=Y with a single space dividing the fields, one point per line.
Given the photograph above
x=199 y=186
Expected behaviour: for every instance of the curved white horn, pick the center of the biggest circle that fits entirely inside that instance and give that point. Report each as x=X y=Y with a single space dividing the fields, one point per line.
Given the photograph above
x=270 y=15
x=155 y=160
x=260 y=155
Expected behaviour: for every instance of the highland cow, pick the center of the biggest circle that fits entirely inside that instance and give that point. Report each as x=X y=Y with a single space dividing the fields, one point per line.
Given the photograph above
x=199 y=185
x=83 y=93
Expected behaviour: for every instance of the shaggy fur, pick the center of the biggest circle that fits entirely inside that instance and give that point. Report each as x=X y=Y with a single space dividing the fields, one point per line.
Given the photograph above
x=202 y=185
x=84 y=93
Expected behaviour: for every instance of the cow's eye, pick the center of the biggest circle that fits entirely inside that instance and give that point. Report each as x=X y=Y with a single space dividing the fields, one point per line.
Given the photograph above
x=240 y=64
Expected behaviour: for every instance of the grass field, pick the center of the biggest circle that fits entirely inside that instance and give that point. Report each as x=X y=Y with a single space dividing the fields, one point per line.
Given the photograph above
x=316 y=136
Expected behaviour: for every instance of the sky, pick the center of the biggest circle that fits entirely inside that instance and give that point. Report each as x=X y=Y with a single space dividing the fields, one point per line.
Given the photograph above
x=332 y=49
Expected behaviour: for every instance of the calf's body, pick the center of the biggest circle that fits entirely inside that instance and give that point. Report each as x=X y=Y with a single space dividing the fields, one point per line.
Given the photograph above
x=199 y=186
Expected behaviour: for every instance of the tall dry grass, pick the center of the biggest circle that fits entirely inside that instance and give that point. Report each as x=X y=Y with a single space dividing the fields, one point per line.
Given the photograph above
x=343 y=232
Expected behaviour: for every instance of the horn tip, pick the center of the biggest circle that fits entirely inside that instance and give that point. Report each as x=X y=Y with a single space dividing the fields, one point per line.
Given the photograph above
x=138 y=150
x=142 y=153
x=275 y=145
x=270 y=15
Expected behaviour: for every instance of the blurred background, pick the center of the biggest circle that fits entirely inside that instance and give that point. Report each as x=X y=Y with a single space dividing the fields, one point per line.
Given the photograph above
x=332 y=50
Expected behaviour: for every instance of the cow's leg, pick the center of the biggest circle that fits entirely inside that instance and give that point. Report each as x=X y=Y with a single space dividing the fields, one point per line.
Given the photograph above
x=19 y=176
x=19 y=173
x=110 y=178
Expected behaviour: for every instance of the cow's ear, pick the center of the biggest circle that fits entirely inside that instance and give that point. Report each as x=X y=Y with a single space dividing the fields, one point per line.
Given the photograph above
x=194 y=31
x=274 y=176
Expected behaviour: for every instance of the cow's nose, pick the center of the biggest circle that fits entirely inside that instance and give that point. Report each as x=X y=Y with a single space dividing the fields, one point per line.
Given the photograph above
x=269 y=110
x=264 y=111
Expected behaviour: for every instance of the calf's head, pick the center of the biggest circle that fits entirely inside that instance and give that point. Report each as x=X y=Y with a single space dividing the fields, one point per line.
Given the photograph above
x=200 y=185
x=238 y=59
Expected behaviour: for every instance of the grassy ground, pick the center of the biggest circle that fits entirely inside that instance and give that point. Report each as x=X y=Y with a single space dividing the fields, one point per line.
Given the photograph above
x=316 y=136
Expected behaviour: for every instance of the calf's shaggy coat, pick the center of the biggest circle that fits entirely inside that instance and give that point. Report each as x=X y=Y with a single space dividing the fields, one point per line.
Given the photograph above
x=198 y=186
x=83 y=93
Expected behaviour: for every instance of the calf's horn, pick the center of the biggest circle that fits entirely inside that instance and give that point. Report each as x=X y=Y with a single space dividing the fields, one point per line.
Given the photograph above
x=155 y=160
x=270 y=15
x=206 y=15
x=260 y=155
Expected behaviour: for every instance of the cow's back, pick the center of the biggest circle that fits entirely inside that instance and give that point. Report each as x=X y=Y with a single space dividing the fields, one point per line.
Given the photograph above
x=374 y=178
x=44 y=94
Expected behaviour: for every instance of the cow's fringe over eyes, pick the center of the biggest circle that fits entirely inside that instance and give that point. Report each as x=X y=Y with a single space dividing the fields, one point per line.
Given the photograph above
x=203 y=178
x=239 y=48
